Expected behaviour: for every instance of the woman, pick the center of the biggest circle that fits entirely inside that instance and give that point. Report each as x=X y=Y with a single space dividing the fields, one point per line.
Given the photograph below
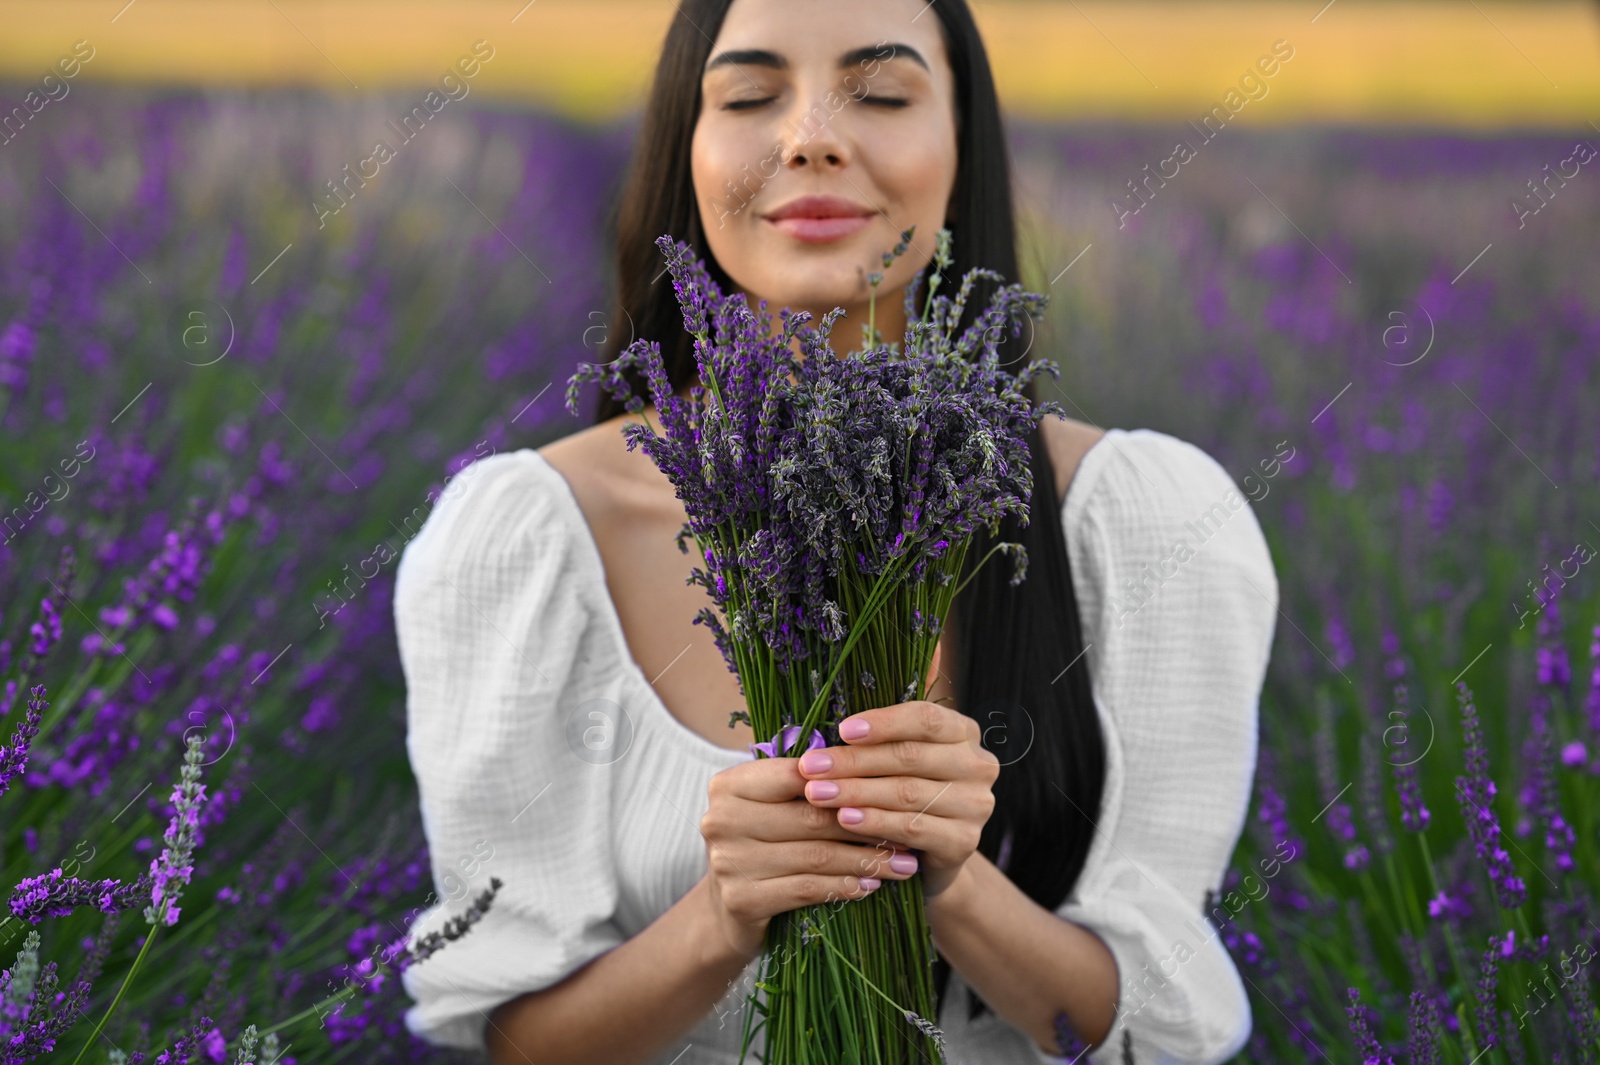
x=566 y=715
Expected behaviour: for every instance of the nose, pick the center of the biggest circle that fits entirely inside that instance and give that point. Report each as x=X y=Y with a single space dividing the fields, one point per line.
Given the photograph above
x=812 y=134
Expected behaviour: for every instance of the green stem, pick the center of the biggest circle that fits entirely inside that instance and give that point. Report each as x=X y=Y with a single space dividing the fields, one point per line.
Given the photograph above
x=126 y=980
x=880 y=595
x=975 y=570
x=898 y=1008
x=318 y=1009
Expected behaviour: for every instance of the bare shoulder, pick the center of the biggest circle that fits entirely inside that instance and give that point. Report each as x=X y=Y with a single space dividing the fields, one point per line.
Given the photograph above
x=609 y=481
x=1068 y=440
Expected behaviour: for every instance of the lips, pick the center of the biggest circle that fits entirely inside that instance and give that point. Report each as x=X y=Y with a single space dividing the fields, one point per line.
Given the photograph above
x=818 y=219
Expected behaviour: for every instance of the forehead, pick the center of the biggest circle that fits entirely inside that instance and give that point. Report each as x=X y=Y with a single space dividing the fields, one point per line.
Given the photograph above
x=835 y=34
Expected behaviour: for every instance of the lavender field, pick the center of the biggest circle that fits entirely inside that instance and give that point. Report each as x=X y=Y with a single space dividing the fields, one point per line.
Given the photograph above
x=235 y=375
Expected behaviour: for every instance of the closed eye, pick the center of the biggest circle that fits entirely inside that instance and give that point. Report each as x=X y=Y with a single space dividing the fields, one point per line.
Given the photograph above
x=881 y=101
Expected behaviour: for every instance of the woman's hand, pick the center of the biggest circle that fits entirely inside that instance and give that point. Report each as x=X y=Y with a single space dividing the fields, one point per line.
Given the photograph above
x=769 y=851
x=917 y=779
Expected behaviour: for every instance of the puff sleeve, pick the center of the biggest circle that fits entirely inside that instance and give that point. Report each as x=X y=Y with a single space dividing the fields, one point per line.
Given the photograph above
x=1179 y=598
x=491 y=630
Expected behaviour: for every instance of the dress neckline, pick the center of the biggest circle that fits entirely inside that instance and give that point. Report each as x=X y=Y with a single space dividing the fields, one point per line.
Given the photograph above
x=619 y=638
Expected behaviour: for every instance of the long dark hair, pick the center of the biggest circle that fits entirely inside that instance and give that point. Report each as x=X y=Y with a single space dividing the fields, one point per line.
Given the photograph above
x=1028 y=681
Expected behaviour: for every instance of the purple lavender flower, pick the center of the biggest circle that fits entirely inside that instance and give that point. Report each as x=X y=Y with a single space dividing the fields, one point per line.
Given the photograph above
x=1584 y=1023
x=1447 y=906
x=402 y=955
x=46 y=632
x=790 y=747
x=1413 y=813
x=17 y=343
x=1367 y=1045
x=56 y=895
x=1373 y=808
x=179 y=1052
x=14 y=757
x=1273 y=813
x=1422 y=1045
x=1592 y=704
x=1486 y=1002
x=1340 y=818
x=1553 y=670
x=809 y=475
x=172 y=868
x=34 y=1012
x=1475 y=792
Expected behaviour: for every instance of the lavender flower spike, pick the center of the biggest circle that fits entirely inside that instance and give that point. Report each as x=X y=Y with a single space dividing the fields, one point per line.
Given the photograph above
x=171 y=870
x=247 y=1047
x=56 y=895
x=1413 y=813
x=402 y=955
x=16 y=986
x=14 y=759
x=1475 y=792
x=790 y=737
x=1372 y=1052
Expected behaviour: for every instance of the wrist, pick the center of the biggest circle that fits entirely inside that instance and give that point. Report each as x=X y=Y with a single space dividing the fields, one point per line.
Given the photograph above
x=717 y=950
x=953 y=901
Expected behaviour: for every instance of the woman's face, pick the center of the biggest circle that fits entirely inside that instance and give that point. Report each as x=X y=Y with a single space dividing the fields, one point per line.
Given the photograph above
x=844 y=99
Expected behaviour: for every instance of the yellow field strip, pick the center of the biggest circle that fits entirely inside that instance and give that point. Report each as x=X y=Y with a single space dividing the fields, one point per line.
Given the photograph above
x=1471 y=63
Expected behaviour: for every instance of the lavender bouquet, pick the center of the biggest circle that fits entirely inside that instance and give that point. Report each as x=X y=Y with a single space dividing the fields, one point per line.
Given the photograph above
x=833 y=500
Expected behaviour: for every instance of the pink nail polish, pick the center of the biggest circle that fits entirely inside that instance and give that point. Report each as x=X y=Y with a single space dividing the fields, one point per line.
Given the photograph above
x=816 y=762
x=854 y=729
x=822 y=789
x=904 y=863
x=849 y=815
x=868 y=883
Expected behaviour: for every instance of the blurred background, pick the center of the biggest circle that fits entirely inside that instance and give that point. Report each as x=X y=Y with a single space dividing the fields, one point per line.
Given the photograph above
x=256 y=369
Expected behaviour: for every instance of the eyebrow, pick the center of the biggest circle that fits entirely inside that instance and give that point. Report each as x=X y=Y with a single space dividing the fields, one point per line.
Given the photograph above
x=761 y=57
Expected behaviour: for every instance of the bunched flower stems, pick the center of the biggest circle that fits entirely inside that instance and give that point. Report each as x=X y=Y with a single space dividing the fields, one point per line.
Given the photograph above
x=831 y=499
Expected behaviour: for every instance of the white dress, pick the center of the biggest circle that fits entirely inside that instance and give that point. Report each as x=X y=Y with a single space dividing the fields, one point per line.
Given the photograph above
x=538 y=741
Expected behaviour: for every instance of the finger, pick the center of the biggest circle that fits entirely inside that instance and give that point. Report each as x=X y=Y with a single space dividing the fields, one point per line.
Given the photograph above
x=915 y=758
x=918 y=719
x=795 y=820
x=913 y=794
x=761 y=780
x=906 y=830
x=815 y=857
x=784 y=893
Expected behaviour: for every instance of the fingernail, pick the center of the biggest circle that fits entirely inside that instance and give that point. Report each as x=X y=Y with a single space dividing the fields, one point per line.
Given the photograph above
x=816 y=762
x=903 y=863
x=854 y=729
x=849 y=815
x=868 y=883
x=822 y=789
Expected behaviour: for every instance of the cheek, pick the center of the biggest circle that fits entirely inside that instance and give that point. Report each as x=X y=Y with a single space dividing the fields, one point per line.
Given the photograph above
x=918 y=168
x=720 y=154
